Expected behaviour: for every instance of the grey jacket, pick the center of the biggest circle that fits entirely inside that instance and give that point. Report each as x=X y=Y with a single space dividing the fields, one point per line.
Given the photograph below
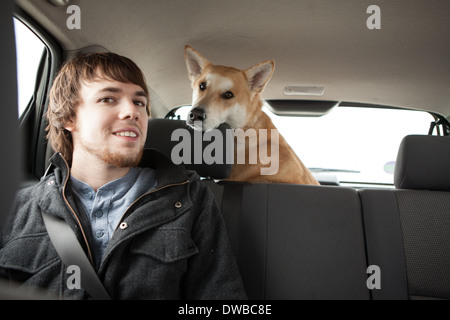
x=174 y=246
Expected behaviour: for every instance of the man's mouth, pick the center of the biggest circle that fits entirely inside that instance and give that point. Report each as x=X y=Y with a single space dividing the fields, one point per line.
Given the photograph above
x=126 y=134
x=130 y=133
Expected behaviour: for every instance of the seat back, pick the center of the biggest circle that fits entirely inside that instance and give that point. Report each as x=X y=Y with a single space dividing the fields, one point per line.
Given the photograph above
x=296 y=241
x=407 y=229
x=202 y=152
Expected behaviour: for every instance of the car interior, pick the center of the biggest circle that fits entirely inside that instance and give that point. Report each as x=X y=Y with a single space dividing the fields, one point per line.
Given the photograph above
x=341 y=240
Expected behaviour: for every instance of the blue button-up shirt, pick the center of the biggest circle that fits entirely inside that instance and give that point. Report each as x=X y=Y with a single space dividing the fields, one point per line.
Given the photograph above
x=105 y=207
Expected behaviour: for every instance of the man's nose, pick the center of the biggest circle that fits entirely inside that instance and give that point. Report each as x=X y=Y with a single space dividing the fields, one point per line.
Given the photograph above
x=129 y=110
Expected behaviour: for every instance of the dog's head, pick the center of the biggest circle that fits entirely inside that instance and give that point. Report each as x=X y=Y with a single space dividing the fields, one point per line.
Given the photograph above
x=224 y=94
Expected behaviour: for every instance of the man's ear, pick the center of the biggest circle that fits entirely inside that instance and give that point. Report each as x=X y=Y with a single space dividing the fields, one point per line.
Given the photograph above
x=69 y=125
x=259 y=75
x=195 y=62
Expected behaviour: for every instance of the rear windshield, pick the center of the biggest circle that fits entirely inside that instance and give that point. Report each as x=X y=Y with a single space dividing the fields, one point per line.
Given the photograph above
x=354 y=146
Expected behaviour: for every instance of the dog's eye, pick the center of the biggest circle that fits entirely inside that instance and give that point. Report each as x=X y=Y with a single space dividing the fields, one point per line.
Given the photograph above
x=202 y=86
x=228 y=95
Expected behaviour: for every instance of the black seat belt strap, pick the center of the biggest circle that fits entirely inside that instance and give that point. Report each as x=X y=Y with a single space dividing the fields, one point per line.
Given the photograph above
x=71 y=253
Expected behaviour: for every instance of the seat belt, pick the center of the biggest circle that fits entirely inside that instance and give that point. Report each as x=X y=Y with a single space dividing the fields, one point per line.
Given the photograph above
x=71 y=253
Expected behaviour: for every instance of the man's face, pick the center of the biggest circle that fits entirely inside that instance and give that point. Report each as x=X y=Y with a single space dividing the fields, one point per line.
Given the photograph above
x=111 y=122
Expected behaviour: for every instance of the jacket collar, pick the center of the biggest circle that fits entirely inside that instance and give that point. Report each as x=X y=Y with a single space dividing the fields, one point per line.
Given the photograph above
x=166 y=171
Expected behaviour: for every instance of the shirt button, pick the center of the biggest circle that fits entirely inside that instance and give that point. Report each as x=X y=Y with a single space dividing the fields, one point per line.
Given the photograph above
x=99 y=233
x=178 y=205
x=99 y=213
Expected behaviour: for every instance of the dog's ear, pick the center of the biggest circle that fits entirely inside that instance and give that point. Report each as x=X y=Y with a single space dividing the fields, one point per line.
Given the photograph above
x=259 y=75
x=195 y=62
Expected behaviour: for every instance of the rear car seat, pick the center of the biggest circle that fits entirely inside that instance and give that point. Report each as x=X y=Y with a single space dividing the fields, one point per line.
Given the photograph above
x=296 y=241
x=408 y=229
x=316 y=242
x=290 y=241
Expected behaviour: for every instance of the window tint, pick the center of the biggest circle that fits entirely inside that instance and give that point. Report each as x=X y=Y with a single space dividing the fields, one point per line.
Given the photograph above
x=29 y=49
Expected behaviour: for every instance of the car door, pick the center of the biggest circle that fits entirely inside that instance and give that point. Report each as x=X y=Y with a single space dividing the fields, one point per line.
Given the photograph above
x=9 y=144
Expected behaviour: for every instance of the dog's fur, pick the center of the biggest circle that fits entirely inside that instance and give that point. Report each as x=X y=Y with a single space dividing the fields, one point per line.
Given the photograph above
x=211 y=84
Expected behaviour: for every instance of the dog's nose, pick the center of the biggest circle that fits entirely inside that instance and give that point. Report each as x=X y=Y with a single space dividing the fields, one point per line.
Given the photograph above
x=197 y=114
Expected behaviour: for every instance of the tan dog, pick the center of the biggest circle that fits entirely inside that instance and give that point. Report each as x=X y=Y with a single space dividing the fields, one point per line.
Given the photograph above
x=225 y=94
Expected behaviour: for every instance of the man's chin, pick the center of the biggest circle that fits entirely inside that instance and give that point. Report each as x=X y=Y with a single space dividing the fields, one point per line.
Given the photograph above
x=122 y=160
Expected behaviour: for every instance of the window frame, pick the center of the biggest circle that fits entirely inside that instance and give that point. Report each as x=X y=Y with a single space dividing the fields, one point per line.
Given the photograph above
x=32 y=122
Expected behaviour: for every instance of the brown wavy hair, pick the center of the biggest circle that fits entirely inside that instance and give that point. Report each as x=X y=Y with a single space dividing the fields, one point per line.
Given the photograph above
x=65 y=91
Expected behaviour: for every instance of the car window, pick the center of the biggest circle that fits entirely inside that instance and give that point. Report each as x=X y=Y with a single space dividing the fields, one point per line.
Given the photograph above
x=354 y=146
x=29 y=49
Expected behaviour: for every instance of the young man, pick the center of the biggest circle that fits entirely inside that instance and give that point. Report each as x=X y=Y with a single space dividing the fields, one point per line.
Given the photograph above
x=151 y=230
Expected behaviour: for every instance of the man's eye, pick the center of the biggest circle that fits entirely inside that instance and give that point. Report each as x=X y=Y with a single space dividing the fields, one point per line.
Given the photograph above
x=139 y=103
x=107 y=100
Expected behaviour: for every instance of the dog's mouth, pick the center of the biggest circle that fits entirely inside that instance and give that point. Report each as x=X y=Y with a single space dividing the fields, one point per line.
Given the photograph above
x=203 y=126
x=196 y=125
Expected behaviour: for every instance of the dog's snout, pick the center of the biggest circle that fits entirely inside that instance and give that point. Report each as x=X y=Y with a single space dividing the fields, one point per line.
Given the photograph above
x=197 y=114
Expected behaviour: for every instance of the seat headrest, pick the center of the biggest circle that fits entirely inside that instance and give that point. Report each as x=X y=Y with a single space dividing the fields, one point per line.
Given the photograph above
x=186 y=146
x=423 y=162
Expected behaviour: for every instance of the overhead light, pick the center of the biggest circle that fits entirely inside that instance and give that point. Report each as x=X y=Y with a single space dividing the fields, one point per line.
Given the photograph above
x=304 y=90
x=59 y=2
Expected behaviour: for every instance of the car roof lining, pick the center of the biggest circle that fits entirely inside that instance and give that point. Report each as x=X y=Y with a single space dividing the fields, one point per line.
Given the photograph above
x=404 y=64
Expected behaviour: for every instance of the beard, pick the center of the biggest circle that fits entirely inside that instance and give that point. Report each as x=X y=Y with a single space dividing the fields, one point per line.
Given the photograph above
x=115 y=159
x=121 y=160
